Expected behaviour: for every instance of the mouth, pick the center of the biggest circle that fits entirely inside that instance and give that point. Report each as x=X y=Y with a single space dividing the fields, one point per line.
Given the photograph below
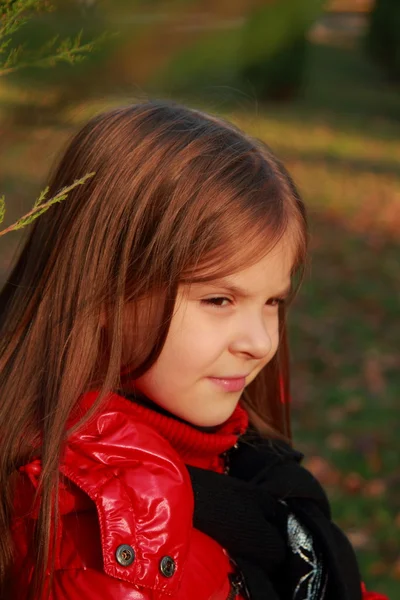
x=230 y=384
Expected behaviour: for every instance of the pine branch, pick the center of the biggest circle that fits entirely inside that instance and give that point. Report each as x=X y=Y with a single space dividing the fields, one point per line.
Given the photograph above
x=14 y=15
x=2 y=208
x=70 y=55
x=39 y=208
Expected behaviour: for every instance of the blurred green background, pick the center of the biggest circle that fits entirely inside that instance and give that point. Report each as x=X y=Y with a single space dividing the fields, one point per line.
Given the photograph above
x=319 y=82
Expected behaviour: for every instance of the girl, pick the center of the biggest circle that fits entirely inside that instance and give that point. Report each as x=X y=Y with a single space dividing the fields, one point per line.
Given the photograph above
x=145 y=435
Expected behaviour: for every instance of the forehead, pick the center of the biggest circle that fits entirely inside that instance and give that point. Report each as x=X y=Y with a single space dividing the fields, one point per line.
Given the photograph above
x=269 y=274
x=275 y=267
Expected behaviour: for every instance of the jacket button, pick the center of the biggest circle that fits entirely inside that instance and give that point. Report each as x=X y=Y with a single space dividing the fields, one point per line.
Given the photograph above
x=167 y=566
x=125 y=555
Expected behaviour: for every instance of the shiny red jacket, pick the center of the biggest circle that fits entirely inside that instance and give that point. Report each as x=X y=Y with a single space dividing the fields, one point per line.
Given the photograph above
x=126 y=506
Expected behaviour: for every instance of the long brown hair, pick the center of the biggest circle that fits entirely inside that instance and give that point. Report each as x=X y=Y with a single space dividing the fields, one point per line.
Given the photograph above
x=177 y=196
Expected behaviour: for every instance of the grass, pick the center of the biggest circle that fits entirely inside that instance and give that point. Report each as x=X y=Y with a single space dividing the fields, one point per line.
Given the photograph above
x=340 y=140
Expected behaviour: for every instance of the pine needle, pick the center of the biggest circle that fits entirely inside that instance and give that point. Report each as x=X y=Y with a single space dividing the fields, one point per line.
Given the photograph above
x=39 y=208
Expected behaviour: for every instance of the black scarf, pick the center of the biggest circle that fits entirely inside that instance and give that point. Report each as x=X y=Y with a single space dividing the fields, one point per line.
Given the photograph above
x=265 y=513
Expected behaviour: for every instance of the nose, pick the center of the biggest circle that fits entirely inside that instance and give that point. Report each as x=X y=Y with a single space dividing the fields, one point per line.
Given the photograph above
x=255 y=337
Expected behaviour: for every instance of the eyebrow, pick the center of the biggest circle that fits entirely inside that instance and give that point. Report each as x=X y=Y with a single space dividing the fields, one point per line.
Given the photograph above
x=239 y=291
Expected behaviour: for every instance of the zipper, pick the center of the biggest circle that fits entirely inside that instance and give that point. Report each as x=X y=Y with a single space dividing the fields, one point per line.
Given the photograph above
x=237 y=582
x=236 y=579
x=225 y=456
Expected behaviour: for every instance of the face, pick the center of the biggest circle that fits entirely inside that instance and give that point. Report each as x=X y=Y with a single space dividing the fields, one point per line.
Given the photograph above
x=217 y=332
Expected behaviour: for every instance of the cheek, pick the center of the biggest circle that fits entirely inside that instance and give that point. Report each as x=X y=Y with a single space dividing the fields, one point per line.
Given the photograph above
x=190 y=346
x=185 y=357
x=274 y=339
x=193 y=338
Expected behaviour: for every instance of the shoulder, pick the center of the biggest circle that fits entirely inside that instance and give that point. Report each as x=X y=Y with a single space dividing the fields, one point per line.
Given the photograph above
x=126 y=517
x=114 y=446
x=115 y=437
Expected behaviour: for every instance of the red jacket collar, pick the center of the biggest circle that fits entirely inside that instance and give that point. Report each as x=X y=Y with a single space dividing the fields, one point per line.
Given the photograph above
x=195 y=447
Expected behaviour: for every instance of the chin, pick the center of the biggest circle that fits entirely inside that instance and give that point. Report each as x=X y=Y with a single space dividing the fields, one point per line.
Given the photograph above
x=213 y=421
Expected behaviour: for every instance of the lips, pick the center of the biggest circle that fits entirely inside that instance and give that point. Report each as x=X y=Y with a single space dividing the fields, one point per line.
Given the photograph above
x=230 y=384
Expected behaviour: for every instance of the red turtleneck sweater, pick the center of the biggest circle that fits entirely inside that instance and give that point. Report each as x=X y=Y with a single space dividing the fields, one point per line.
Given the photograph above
x=197 y=446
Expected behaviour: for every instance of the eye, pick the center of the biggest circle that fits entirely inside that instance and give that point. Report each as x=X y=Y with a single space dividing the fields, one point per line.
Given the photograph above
x=276 y=301
x=214 y=301
x=217 y=300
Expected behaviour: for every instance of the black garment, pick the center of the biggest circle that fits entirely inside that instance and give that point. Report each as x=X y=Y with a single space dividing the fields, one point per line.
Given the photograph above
x=273 y=518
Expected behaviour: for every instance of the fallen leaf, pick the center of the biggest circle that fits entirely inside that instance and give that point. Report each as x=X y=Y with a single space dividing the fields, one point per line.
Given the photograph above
x=395 y=570
x=354 y=405
x=323 y=470
x=359 y=539
x=338 y=441
x=374 y=460
x=353 y=483
x=378 y=568
x=375 y=488
x=336 y=414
